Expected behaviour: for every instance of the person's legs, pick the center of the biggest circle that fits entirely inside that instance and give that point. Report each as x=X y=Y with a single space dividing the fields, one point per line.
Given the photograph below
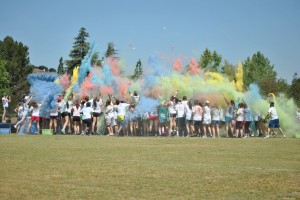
x=4 y=115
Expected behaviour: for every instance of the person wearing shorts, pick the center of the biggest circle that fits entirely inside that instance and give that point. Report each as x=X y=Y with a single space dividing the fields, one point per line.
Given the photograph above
x=239 y=120
x=248 y=120
x=189 y=119
x=5 y=100
x=163 y=117
x=87 y=117
x=274 y=123
x=197 y=117
x=109 y=117
x=215 y=123
x=35 y=116
x=179 y=107
x=206 y=120
x=153 y=121
x=53 y=117
x=76 y=110
x=229 y=114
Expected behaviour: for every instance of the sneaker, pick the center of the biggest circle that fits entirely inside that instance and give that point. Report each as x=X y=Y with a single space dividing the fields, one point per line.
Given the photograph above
x=284 y=136
x=204 y=136
x=63 y=131
x=15 y=126
x=275 y=133
x=267 y=136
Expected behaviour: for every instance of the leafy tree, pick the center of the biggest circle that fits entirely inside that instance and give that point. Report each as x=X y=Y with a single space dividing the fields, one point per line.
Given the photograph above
x=60 y=68
x=295 y=89
x=229 y=70
x=80 y=49
x=52 y=70
x=111 y=51
x=4 y=78
x=14 y=57
x=44 y=68
x=210 y=61
x=258 y=70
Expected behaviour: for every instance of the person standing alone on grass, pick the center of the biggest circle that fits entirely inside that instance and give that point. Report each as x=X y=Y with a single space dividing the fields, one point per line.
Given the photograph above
x=5 y=100
x=274 y=123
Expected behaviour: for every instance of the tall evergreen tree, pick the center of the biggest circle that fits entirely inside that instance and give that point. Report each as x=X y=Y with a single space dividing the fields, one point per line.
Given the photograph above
x=80 y=49
x=111 y=51
x=138 y=71
x=60 y=68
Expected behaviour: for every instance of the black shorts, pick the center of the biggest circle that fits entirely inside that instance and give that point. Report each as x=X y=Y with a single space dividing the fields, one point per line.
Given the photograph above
x=76 y=119
x=239 y=125
x=5 y=108
x=197 y=123
x=95 y=114
x=88 y=122
x=64 y=114
x=53 y=117
x=173 y=115
x=180 y=121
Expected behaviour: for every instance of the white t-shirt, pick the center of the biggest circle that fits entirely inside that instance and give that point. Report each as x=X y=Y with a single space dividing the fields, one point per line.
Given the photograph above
x=206 y=113
x=109 y=112
x=215 y=114
x=121 y=108
x=5 y=102
x=273 y=113
x=180 y=110
x=87 y=113
x=184 y=103
x=197 y=111
x=97 y=109
x=35 y=111
x=240 y=115
x=76 y=111
x=171 y=108
x=188 y=113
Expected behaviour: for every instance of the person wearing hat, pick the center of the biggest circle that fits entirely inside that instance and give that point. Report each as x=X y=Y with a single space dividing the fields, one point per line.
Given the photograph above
x=5 y=100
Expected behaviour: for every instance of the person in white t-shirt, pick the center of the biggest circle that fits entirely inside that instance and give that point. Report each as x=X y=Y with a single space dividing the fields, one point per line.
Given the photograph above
x=76 y=110
x=197 y=113
x=87 y=117
x=109 y=116
x=215 y=123
x=97 y=104
x=274 y=123
x=189 y=119
x=239 y=120
x=35 y=116
x=206 y=119
x=122 y=108
x=5 y=100
x=179 y=107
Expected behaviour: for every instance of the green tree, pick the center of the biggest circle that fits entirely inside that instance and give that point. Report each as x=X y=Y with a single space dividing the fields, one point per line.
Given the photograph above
x=138 y=71
x=60 y=68
x=14 y=57
x=4 y=78
x=295 y=89
x=80 y=49
x=52 y=70
x=259 y=70
x=229 y=70
x=210 y=61
x=44 y=68
x=111 y=51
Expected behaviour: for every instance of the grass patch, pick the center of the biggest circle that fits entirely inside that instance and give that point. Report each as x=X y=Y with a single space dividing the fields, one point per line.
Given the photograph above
x=81 y=167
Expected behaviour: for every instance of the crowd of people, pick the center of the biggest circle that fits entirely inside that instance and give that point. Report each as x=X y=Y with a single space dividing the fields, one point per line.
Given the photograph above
x=175 y=117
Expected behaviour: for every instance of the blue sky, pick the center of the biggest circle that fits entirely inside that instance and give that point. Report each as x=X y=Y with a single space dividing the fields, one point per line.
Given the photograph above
x=234 y=28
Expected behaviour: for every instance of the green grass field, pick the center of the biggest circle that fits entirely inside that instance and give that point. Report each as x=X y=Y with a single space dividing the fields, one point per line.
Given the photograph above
x=101 y=167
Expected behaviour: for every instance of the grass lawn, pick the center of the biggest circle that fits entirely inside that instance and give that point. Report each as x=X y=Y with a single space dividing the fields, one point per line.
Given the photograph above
x=101 y=167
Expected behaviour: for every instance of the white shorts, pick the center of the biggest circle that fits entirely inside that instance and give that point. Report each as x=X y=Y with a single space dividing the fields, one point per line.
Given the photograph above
x=109 y=121
x=206 y=121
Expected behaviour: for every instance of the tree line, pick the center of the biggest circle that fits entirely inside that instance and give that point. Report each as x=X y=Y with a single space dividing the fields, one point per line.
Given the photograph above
x=15 y=66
